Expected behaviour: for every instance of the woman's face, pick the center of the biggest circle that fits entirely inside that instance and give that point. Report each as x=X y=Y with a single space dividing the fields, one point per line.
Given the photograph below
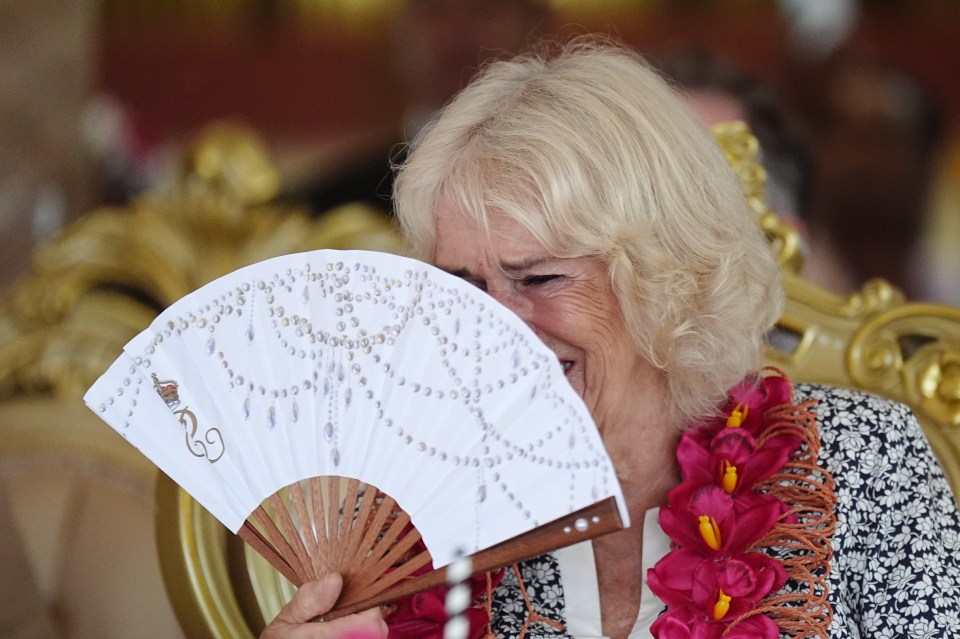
x=570 y=305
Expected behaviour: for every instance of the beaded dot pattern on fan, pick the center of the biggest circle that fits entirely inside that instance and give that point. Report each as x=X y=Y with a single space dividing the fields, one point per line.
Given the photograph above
x=362 y=365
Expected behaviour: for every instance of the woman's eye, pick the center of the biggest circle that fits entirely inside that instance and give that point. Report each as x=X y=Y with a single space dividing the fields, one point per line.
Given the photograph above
x=536 y=280
x=481 y=284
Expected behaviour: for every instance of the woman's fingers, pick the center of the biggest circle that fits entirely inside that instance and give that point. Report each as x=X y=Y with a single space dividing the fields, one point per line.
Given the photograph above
x=312 y=600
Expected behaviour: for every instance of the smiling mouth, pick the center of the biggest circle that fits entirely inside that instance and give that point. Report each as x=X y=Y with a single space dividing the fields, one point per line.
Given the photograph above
x=566 y=365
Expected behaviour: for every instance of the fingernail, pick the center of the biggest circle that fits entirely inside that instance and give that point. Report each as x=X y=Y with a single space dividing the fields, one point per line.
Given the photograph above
x=328 y=579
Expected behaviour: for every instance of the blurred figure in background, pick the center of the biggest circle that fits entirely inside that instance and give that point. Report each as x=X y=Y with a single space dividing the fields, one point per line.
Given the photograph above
x=439 y=45
x=878 y=135
x=940 y=268
x=720 y=91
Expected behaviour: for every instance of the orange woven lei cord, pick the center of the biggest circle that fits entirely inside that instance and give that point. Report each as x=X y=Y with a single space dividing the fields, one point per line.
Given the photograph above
x=809 y=490
x=751 y=483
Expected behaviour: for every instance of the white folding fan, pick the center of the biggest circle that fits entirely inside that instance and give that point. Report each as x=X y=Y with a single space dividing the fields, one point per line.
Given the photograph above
x=429 y=411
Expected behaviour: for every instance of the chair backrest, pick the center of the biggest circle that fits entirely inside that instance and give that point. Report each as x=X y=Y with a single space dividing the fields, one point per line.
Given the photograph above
x=876 y=342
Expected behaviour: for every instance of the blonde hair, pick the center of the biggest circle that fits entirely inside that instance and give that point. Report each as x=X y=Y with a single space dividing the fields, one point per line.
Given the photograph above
x=594 y=154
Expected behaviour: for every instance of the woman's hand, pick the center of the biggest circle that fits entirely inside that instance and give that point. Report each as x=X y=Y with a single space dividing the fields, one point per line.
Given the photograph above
x=314 y=599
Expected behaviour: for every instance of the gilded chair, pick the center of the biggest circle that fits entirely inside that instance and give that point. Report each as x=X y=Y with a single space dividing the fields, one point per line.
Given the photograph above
x=78 y=514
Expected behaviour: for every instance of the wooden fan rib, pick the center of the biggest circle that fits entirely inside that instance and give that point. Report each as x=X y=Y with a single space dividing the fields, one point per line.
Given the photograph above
x=253 y=537
x=278 y=540
x=368 y=567
x=385 y=556
x=320 y=521
x=374 y=529
x=385 y=580
x=333 y=520
x=362 y=522
x=308 y=531
x=292 y=535
x=348 y=516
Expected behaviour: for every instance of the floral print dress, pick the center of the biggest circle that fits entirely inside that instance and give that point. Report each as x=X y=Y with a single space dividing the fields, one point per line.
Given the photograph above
x=896 y=564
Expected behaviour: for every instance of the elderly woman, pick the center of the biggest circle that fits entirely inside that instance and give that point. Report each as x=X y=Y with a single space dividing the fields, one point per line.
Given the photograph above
x=576 y=189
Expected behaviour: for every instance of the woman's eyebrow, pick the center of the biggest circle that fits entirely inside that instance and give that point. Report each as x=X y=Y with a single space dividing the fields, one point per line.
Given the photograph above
x=462 y=273
x=525 y=263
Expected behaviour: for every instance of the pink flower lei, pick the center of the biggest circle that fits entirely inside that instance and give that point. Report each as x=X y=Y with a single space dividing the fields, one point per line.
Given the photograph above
x=750 y=481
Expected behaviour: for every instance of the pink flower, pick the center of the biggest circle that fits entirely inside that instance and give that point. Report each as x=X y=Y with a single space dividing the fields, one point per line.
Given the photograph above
x=755 y=397
x=423 y=615
x=679 y=624
x=771 y=391
x=755 y=627
x=746 y=578
x=686 y=579
x=676 y=624
x=704 y=461
x=738 y=522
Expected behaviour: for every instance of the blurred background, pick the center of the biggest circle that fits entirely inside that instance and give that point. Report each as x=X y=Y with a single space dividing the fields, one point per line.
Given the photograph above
x=861 y=98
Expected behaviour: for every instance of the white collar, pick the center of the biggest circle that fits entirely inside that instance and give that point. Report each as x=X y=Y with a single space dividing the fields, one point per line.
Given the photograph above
x=581 y=591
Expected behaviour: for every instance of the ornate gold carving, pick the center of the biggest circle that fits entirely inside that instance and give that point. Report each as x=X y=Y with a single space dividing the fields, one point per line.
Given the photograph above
x=106 y=276
x=939 y=386
x=742 y=150
x=875 y=296
x=877 y=361
x=874 y=341
x=921 y=369
x=200 y=560
x=912 y=352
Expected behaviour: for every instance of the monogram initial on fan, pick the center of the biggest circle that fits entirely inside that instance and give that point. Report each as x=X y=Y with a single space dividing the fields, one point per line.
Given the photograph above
x=211 y=437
